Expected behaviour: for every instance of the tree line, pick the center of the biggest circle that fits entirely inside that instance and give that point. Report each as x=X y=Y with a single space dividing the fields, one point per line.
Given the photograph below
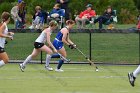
x=127 y=10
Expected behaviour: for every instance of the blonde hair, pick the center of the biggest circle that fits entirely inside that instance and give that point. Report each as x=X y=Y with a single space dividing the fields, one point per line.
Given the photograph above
x=57 y=5
x=5 y=16
x=38 y=8
x=53 y=23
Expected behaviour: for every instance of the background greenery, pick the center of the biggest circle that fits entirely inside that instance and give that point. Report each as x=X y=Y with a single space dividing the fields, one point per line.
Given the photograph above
x=106 y=47
x=127 y=10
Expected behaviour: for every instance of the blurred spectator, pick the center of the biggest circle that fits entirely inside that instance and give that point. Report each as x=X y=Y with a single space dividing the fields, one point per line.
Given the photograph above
x=19 y=1
x=138 y=25
x=38 y=18
x=85 y=16
x=22 y=13
x=15 y=11
x=56 y=13
x=108 y=15
x=64 y=5
x=44 y=15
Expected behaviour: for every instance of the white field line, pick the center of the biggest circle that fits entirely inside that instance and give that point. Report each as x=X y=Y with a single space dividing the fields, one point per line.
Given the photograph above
x=76 y=92
x=101 y=69
x=126 y=91
x=123 y=91
x=63 y=77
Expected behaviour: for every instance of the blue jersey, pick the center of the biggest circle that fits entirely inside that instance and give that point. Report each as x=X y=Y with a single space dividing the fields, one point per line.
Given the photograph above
x=57 y=43
x=59 y=36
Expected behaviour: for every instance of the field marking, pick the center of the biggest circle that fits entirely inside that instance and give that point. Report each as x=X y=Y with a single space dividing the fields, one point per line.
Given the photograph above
x=76 y=92
x=77 y=70
x=123 y=91
x=74 y=77
x=127 y=91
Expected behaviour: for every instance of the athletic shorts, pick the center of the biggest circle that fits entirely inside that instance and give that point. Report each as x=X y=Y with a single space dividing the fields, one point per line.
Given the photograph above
x=38 y=45
x=2 y=50
x=57 y=44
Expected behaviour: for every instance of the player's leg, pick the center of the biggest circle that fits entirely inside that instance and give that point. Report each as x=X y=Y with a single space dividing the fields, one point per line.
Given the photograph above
x=29 y=58
x=55 y=55
x=3 y=59
x=57 y=45
x=132 y=76
x=49 y=52
x=136 y=72
x=62 y=51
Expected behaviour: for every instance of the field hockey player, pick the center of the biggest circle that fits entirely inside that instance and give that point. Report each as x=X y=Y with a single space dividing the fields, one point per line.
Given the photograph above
x=39 y=45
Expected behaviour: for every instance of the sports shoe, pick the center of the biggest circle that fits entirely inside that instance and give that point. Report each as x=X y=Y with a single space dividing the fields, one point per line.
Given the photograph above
x=59 y=70
x=49 y=68
x=131 y=79
x=22 y=67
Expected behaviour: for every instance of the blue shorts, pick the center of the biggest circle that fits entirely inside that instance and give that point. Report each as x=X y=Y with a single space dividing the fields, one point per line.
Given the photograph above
x=57 y=44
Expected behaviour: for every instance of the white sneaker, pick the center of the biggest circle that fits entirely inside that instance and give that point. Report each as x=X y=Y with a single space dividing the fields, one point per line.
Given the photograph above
x=49 y=68
x=22 y=67
x=131 y=79
x=59 y=70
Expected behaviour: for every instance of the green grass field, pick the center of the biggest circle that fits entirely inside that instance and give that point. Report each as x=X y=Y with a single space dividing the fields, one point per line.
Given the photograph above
x=106 y=47
x=74 y=79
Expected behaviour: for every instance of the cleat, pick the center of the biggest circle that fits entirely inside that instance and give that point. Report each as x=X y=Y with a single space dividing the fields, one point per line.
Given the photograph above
x=22 y=67
x=131 y=79
x=48 y=68
x=59 y=70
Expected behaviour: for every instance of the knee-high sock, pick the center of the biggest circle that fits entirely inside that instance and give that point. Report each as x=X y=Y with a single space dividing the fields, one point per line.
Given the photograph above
x=60 y=64
x=48 y=58
x=55 y=56
x=28 y=59
x=2 y=63
x=137 y=71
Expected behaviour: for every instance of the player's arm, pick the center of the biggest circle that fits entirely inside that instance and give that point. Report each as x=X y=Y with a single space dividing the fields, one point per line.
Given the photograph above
x=68 y=39
x=72 y=45
x=64 y=38
x=49 y=42
x=2 y=28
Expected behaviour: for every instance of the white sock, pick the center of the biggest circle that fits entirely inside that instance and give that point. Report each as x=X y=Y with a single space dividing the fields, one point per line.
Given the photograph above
x=28 y=59
x=2 y=63
x=137 y=71
x=48 y=58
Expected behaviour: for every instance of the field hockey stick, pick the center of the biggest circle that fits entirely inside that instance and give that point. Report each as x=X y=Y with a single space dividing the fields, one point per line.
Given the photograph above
x=63 y=58
x=61 y=25
x=91 y=62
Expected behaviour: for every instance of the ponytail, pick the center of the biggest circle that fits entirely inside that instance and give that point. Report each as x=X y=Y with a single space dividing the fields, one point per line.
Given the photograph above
x=53 y=23
x=68 y=22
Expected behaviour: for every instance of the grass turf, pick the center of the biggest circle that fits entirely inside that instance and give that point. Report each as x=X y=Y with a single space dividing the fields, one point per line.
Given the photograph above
x=106 y=47
x=75 y=79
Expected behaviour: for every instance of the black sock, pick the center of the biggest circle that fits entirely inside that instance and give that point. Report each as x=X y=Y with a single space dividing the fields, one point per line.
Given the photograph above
x=60 y=64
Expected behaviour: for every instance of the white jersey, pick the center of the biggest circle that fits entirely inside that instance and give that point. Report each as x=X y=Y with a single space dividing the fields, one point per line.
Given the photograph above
x=43 y=36
x=2 y=39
